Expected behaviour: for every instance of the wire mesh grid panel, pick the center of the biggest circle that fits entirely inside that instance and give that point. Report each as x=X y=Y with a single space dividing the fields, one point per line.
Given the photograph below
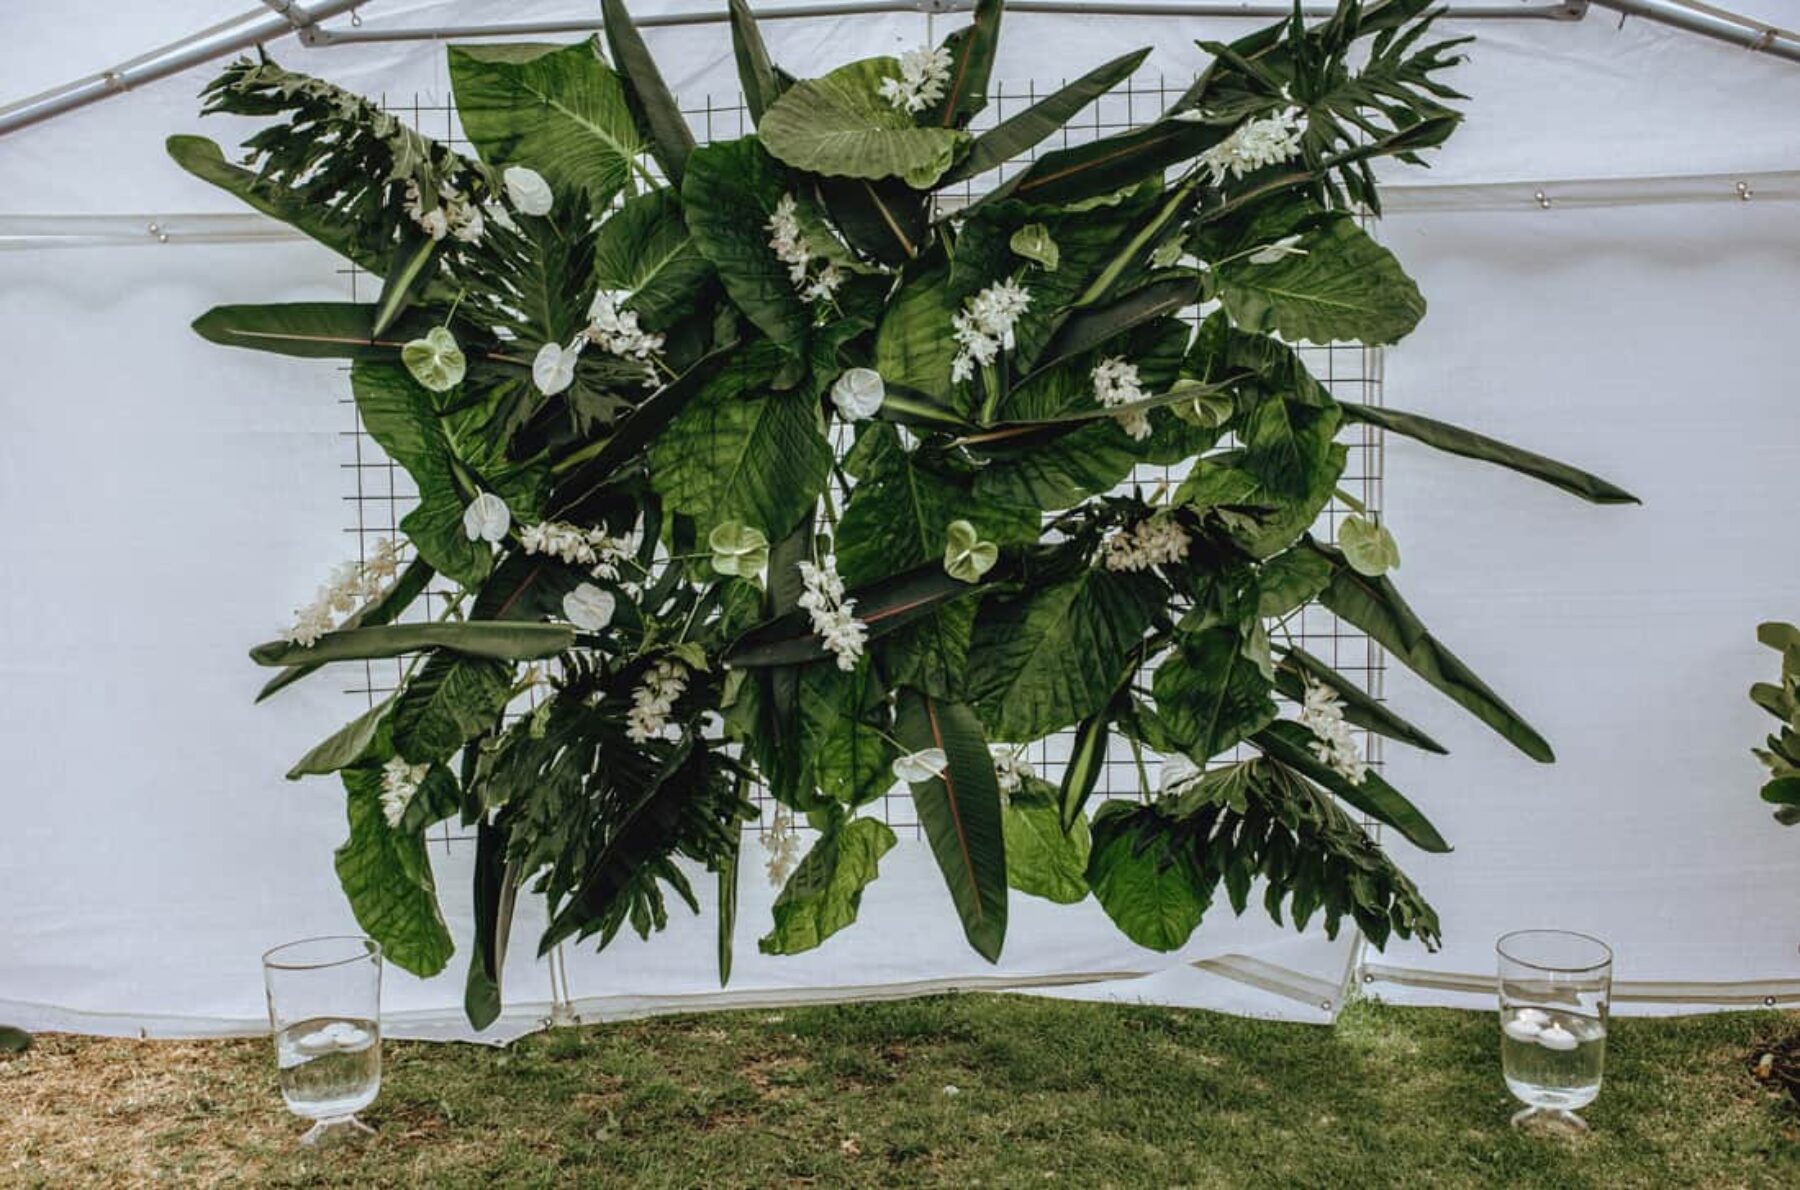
x=380 y=493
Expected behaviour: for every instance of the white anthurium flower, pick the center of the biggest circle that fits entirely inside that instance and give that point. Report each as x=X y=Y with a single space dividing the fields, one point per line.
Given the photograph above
x=966 y=556
x=858 y=394
x=554 y=368
x=1368 y=547
x=1281 y=249
x=588 y=607
x=435 y=361
x=927 y=764
x=487 y=518
x=529 y=193
x=738 y=549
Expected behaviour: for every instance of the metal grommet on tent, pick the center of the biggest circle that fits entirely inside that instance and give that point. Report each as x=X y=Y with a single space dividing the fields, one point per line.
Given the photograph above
x=1368 y=977
x=1543 y=200
x=155 y=229
x=1768 y=1001
x=1744 y=192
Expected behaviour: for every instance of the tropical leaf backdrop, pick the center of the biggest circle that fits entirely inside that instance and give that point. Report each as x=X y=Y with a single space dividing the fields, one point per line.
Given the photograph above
x=844 y=464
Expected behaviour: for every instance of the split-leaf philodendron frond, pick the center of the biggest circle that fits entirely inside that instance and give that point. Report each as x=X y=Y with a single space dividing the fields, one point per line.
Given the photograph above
x=763 y=461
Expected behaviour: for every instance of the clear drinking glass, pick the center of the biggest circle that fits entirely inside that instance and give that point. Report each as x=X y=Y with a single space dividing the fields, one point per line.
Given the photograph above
x=1555 y=994
x=325 y=1010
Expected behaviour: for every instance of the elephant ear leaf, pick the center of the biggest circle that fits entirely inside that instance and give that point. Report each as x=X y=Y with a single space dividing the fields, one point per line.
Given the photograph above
x=960 y=810
x=841 y=126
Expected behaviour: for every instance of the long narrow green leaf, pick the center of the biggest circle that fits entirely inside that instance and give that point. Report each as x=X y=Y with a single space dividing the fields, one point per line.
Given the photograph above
x=960 y=811
x=1087 y=760
x=1375 y=606
x=883 y=606
x=1089 y=327
x=971 y=63
x=404 y=284
x=728 y=898
x=1470 y=445
x=384 y=610
x=1108 y=164
x=1042 y=119
x=1290 y=744
x=761 y=82
x=310 y=330
x=510 y=642
x=1359 y=708
x=670 y=138
x=496 y=891
x=344 y=747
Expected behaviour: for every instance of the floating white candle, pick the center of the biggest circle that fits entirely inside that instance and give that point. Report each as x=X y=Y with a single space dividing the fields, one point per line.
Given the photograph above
x=1557 y=1038
x=1520 y=1029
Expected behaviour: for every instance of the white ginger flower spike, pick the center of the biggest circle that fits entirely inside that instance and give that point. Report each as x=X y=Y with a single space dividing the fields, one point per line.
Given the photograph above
x=984 y=326
x=1010 y=769
x=1116 y=383
x=782 y=842
x=1255 y=144
x=1177 y=777
x=1153 y=541
x=858 y=394
x=1334 y=743
x=926 y=764
x=588 y=607
x=790 y=247
x=924 y=76
x=487 y=518
x=399 y=785
x=350 y=584
x=527 y=190
x=832 y=614
x=652 y=702
x=615 y=329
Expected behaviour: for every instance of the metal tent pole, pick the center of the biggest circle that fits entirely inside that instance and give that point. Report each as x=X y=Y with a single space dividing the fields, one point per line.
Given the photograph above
x=1266 y=10
x=277 y=18
x=1712 y=22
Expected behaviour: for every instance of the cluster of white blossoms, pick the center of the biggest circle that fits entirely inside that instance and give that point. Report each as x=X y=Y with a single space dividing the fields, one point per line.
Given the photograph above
x=924 y=75
x=789 y=244
x=1255 y=144
x=832 y=617
x=594 y=548
x=399 y=785
x=613 y=328
x=1334 y=742
x=782 y=842
x=652 y=701
x=1116 y=382
x=984 y=326
x=1153 y=541
x=1010 y=769
x=454 y=215
x=351 y=583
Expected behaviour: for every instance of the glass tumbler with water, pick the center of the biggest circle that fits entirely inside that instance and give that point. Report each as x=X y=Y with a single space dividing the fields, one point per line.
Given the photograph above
x=1555 y=994
x=325 y=1010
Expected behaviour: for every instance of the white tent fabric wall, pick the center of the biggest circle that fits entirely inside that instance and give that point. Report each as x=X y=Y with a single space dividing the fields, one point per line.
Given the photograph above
x=168 y=499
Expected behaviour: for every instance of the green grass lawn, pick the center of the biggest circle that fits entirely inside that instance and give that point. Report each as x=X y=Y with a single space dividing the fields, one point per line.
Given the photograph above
x=951 y=1091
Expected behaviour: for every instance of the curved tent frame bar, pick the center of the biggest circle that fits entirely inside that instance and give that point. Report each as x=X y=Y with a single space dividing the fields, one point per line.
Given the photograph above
x=282 y=18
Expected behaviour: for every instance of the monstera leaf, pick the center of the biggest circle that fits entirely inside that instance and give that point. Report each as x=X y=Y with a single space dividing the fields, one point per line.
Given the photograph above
x=840 y=126
x=558 y=110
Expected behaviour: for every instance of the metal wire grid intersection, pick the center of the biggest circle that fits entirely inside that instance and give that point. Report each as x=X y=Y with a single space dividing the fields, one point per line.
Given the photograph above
x=380 y=492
